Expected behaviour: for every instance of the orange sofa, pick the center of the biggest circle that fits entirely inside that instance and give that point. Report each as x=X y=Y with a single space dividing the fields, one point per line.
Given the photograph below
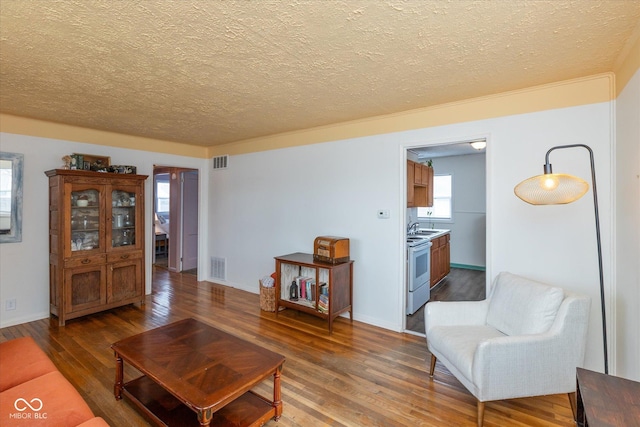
x=34 y=393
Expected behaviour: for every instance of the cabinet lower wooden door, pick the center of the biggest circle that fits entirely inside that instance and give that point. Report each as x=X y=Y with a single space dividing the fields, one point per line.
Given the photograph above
x=435 y=263
x=85 y=288
x=124 y=281
x=440 y=259
x=446 y=255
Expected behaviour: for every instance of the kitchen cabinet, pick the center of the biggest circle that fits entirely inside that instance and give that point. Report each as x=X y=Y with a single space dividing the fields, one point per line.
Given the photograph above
x=440 y=258
x=96 y=241
x=321 y=289
x=419 y=185
x=424 y=174
x=410 y=186
x=417 y=175
x=427 y=180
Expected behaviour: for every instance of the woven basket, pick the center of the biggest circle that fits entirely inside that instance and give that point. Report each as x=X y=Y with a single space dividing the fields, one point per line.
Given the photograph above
x=267 y=298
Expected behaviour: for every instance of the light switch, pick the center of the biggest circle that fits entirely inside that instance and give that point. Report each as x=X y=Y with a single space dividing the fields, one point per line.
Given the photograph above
x=383 y=213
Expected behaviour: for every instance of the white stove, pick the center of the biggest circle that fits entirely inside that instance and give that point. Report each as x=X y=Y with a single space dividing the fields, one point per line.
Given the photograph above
x=418 y=272
x=415 y=240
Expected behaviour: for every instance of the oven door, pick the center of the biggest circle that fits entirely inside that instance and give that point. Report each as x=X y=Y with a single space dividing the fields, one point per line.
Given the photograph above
x=419 y=270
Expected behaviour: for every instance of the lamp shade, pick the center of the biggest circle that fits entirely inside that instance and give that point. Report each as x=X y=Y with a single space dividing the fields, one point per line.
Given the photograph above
x=551 y=189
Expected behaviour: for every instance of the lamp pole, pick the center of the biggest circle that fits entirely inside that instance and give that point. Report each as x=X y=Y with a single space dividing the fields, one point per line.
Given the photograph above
x=547 y=170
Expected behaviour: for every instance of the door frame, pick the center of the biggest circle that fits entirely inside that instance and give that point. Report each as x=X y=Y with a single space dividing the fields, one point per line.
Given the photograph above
x=404 y=156
x=175 y=212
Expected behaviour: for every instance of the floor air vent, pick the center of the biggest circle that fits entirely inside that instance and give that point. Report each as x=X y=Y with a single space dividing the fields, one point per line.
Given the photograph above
x=219 y=268
x=220 y=162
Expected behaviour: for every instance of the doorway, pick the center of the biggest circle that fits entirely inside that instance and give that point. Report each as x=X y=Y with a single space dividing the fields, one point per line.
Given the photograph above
x=175 y=218
x=464 y=168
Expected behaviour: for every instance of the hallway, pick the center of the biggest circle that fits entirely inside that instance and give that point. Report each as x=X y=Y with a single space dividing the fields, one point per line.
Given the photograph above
x=162 y=261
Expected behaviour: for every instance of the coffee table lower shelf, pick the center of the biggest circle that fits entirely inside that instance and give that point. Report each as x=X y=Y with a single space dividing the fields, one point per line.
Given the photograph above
x=162 y=408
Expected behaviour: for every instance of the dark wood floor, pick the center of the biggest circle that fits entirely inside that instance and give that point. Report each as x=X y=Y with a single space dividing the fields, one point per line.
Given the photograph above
x=459 y=285
x=358 y=376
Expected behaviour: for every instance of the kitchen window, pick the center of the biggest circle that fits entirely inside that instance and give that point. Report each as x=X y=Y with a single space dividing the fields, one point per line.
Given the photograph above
x=442 y=197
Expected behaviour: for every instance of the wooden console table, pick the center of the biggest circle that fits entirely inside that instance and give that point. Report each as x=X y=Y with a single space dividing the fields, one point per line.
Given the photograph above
x=605 y=400
x=330 y=286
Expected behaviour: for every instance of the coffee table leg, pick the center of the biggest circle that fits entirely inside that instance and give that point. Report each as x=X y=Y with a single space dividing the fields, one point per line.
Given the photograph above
x=277 y=398
x=204 y=417
x=117 y=388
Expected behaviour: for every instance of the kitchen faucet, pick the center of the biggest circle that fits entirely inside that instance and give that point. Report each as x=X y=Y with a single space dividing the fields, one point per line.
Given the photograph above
x=413 y=227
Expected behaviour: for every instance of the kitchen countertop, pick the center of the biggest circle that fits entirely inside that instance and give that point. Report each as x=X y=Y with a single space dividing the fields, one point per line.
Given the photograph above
x=430 y=233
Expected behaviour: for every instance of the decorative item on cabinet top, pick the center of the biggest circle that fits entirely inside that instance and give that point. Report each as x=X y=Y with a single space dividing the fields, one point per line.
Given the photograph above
x=86 y=162
x=122 y=169
x=331 y=249
x=90 y=162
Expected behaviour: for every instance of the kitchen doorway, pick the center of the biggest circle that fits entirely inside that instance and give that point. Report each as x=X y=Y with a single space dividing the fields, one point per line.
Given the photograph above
x=175 y=218
x=464 y=167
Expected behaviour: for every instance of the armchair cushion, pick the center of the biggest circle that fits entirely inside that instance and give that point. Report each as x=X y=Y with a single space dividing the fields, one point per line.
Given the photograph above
x=460 y=343
x=520 y=306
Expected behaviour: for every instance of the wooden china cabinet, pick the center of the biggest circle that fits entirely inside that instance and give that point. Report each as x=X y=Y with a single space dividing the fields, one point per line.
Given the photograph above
x=96 y=241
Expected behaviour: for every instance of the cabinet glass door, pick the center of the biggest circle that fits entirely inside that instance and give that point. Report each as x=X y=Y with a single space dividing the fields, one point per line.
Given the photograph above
x=123 y=218
x=85 y=220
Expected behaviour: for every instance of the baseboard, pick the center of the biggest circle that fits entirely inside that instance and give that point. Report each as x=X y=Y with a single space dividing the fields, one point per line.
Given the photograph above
x=5 y=323
x=469 y=267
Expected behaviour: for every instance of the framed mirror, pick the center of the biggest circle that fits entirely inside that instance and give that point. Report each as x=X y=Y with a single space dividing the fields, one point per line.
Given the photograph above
x=11 y=175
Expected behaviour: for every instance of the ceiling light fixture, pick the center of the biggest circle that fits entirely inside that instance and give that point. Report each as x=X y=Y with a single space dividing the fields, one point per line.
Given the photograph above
x=479 y=145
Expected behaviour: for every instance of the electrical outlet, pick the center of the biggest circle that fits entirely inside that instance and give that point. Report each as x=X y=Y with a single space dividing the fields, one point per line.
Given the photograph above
x=10 y=304
x=383 y=213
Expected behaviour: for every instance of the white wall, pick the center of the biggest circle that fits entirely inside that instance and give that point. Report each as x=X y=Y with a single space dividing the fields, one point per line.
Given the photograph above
x=555 y=244
x=24 y=268
x=468 y=224
x=276 y=202
x=628 y=230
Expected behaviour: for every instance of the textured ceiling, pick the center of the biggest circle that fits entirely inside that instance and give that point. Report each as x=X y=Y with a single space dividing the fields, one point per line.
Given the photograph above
x=213 y=72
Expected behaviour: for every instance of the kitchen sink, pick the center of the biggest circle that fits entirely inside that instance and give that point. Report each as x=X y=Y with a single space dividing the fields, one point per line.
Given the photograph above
x=427 y=232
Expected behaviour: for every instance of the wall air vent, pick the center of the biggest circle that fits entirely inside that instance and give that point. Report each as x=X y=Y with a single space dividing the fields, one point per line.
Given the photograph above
x=218 y=268
x=220 y=162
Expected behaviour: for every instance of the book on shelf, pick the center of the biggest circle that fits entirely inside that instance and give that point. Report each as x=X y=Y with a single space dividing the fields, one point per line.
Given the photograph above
x=324 y=288
x=311 y=289
x=301 y=281
x=323 y=303
x=306 y=288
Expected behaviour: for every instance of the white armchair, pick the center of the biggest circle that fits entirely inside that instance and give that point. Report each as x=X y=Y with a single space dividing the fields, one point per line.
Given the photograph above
x=526 y=339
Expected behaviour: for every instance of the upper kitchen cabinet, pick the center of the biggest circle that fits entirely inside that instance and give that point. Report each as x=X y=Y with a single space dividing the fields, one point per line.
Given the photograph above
x=96 y=241
x=410 y=187
x=419 y=185
x=427 y=179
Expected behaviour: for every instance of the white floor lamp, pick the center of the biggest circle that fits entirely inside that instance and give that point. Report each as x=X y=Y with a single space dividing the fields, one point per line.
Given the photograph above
x=553 y=189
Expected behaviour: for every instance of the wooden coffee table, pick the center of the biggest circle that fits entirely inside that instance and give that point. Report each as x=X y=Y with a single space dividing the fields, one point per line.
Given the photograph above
x=605 y=400
x=197 y=375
